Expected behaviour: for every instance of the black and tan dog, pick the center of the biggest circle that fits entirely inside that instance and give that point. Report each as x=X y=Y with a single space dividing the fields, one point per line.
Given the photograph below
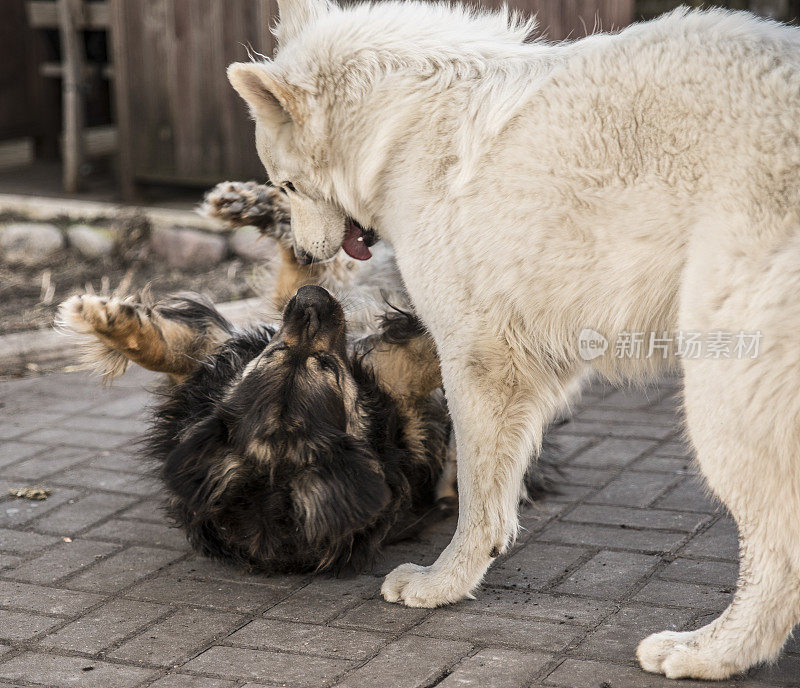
x=285 y=447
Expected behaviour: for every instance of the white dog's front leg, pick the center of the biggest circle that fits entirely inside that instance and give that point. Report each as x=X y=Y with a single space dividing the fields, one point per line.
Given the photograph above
x=498 y=422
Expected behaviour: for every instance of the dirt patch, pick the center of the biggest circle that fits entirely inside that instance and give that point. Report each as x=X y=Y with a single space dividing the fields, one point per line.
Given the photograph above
x=29 y=297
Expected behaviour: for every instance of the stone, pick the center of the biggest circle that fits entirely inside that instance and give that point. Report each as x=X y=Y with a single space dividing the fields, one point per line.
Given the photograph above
x=187 y=248
x=30 y=244
x=90 y=242
x=249 y=244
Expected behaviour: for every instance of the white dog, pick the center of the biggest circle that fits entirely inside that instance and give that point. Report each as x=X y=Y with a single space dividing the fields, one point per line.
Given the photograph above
x=647 y=181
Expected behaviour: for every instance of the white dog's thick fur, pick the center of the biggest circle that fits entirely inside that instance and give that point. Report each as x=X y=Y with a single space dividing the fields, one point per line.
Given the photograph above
x=647 y=181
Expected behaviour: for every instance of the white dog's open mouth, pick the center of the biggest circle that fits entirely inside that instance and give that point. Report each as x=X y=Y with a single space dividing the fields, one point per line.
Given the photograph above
x=357 y=240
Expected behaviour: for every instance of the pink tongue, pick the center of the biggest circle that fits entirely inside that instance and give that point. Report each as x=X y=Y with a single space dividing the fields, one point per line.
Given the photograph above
x=351 y=244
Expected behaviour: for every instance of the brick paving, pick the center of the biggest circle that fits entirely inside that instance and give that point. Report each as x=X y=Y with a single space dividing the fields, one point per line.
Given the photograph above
x=97 y=590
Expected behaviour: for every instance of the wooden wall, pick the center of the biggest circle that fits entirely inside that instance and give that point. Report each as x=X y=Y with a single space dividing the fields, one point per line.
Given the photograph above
x=180 y=121
x=18 y=78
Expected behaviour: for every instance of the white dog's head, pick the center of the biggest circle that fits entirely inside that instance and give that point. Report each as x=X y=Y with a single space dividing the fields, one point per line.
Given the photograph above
x=290 y=129
x=327 y=130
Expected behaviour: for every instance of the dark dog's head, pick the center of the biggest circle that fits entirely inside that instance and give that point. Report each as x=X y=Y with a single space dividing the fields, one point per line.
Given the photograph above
x=296 y=461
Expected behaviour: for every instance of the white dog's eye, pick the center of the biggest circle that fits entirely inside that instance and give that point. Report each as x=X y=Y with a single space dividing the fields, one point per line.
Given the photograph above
x=288 y=186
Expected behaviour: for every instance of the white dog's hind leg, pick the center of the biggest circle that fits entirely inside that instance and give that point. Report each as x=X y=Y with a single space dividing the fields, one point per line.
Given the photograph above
x=743 y=417
x=753 y=629
x=498 y=420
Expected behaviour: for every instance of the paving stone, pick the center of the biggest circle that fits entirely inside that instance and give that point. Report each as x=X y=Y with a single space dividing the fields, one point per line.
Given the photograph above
x=482 y=629
x=378 y=615
x=573 y=673
x=664 y=464
x=178 y=637
x=104 y=626
x=689 y=495
x=144 y=532
x=203 y=569
x=18 y=512
x=149 y=509
x=625 y=431
x=641 y=417
x=635 y=518
x=496 y=668
x=534 y=565
x=130 y=406
x=674 y=448
x=108 y=480
x=786 y=672
x=536 y=605
x=76 y=435
x=24 y=625
x=46 y=464
x=24 y=543
x=185 y=681
x=570 y=445
x=633 y=489
x=8 y=561
x=325 y=598
x=610 y=536
x=81 y=513
x=129 y=426
x=720 y=541
x=677 y=594
x=613 y=452
x=225 y=595
x=69 y=671
x=608 y=574
x=36 y=598
x=275 y=634
x=275 y=667
x=391 y=667
x=618 y=636
x=123 y=569
x=62 y=560
x=721 y=573
x=120 y=461
x=12 y=452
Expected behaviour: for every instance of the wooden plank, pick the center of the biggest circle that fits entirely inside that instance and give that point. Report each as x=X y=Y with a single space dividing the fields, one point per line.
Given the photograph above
x=55 y=70
x=122 y=100
x=44 y=15
x=17 y=74
x=72 y=53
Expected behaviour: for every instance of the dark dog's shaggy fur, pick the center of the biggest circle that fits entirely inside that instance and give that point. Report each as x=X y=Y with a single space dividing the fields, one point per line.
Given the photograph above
x=286 y=448
x=282 y=451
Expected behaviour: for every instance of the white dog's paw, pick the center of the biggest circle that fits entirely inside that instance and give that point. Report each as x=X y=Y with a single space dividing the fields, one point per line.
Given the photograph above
x=681 y=655
x=420 y=586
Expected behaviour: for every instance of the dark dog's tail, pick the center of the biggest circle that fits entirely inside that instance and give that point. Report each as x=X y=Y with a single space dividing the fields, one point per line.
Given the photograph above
x=540 y=478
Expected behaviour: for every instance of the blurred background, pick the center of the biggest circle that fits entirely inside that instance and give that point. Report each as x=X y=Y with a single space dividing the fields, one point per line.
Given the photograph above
x=115 y=116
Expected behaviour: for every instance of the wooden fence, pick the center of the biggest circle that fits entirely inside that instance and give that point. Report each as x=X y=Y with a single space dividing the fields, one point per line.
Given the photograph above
x=176 y=119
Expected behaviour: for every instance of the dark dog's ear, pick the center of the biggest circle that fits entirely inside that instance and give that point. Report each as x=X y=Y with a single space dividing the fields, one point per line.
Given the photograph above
x=340 y=494
x=198 y=469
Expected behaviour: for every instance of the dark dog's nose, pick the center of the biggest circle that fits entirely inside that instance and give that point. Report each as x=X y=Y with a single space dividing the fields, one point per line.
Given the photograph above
x=312 y=296
x=311 y=310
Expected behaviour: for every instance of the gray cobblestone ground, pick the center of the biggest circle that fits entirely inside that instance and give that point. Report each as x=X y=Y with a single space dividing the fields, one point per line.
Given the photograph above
x=97 y=590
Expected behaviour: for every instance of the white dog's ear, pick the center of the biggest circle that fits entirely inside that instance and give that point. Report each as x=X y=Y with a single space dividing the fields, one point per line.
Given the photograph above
x=295 y=15
x=271 y=98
